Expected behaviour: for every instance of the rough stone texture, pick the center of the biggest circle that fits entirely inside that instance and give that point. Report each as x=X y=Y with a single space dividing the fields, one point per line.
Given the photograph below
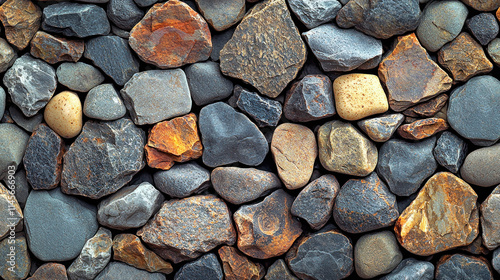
x=427 y=109
x=411 y=269
x=186 y=228
x=314 y=13
x=22 y=263
x=31 y=83
x=315 y=202
x=410 y=75
x=481 y=167
x=52 y=271
x=494 y=50
x=405 y=165
x=322 y=256
x=422 y=129
x=483 y=5
x=459 y=266
x=222 y=14
x=185 y=33
x=27 y=123
x=490 y=223
x=104 y=157
x=265 y=111
x=206 y=83
x=267 y=229
x=182 y=180
x=79 y=76
x=21 y=19
x=484 y=27
x=124 y=13
x=343 y=149
x=63 y=114
x=257 y=54
x=279 y=271
x=229 y=136
x=496 y=260
x=7 y=56
x=206 y=267
x=120 y=271
x=104 y=103
x=380 y=19
x=54 y=49
x=381 y=129
x=13 y=141
x=236 y=266
x=450 y=151
x=11 y=213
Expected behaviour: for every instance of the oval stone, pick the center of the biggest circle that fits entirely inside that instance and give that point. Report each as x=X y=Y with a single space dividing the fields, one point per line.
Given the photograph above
x=63 y=114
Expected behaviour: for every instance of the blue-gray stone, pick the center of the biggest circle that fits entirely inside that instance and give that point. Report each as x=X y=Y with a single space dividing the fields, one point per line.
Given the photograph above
x=79 y=76
x=494 y=50
x=7 y=56
x=265 y=111
x=121 y=271
x=104 y=103
x=279 y=271
x=22 y=187
x=411 y=269
x=381 y=129
x=206 y=83
x=3 y=100
x=206 y=267
x=145 y=3
x=220 y=39
x=313 y=13
x=182 y=180
x=13 y=141
x=450 y=151
x=120 y=32
x=495 y=261
x=27 y=123
x=124 y=13
x=484 y=27
x=405 y=201
x=462 y=267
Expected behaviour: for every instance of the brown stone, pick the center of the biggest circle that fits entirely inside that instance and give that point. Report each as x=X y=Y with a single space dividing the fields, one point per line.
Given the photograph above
x=21 y=19
x=421 y=129
x=171 y=35
x=409 y=74
x=129 y=249
x=238 y=267
x=50 y=271
x=267 y=229
x=483 y=5
x=443 y=216
x=54 y=49
x=428 y=108
x=158 y=159
x=464 y=58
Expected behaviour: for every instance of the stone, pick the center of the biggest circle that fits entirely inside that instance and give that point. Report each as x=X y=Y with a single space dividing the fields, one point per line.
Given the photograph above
x=405 y=165
x=481 y=167
x=340 y=49
x=129 y=249
x=104 y=103
x=358 y=96
x=130 y=207
x=182 y=180
x=265 y=111
x=104 y=157
x=94 y=257
x=79 y=76
x=119 y=271
x=219 y=40
x=43 y=158
x=58 y=225
x=450 y=151
x=52 y=271
x=54 y=49
x=229 y=137
x=459 y=266
x=410 y=75
x=143 y=3
x=206 y=83
x=156 y=95
x=422 y=129
x=22 y=187
x=222 y=14
x=75 y=20
x=427 y=109
x=484 y=27
x=186 y=228
x=376 y=254
x=496 y=260
x=315 y=254
x=481 y=5
x=472 y=110
x=113 y=56
x=31 y=83
x=7 y=56
x=310 y=99
x=158 y=159
x=205 y=267
x=489 y=220
x=256 y=53
x=186 y=32
x=3 y=100
x=314 y=203
x=267 y=229
x=21 y=20
x=411 y=269
x=343 y=149
x=279 y=271
x=124 y=13
x=236 y=266
x=22 y=258
x=380 y=19
x=63 y=114
x=494 y=50
x=27 y=123
x=381 y=129
x=120 y=32
x=12 y=214
x=313 y=13
x=476 y=247
x=13 y=141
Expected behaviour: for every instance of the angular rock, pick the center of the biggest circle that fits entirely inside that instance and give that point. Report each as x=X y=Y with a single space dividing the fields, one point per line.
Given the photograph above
x=22 y=262
x=381 y=129
x=219 y=40
x=411 y=269
x=265 y=111
x=54 y=49
x=236 y=266
x=422 y=129
x=257 y=55
x=484 y=6
x=206 y=83
x=459 y=266
x=222 y=14
x=205 y=267
x=13 y=141
x=279 y=271
x=52 y=271
x=489 y=220
x=21 y=20
x=182 y=180
x=484 y=27
x=104 y=103
x=120 y=271
x=124 y=13
x=79 y=76
x=428 y=108
x=7 y=56
x=27 y=123
x=11 y=213
x=64 y=114
x=314 y=13
x=450 y=151
x=481 y=167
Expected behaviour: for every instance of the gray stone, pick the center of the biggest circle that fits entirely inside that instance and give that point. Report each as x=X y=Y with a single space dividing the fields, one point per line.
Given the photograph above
x=462 y=267
x=74 y=19
x=440 y=23
x=222 y=14
x=11 y=215
x=7 y=56
x=13 y=141
x=206 y=83
x=27 y=123
x=206 y=267
x=113 y=56
x=490 y=220
x=94 y=1
x=484 y=27
x=381 y=129
x=3 y=101
x=22 y=187
x=104 y=157
x=265 y=111
x=144 y=3
x=31 y=83
x=482 y=167
x=279 y=271
x=22 y=258
x=473 y=110
x=496 y=260
x=219 y=40
x=120 y=32
x=124 y=13
x=58 y=225
x=183 y=180
x=79 y=76
x=314 y=13
x=450 y=151
x=340 y=49
x=494 y=50
x=405 y=165
x=229 y=137
x=411 y=269
x=104 y=103
x=120 y=271
x=156 y=95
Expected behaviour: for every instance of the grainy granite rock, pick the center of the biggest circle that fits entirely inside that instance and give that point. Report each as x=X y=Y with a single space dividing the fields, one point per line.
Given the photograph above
x=13 y=141
x=381 y=129
x=52 y=271
x=222 y=14
x=219 y=40
x=63 y=114
x=206 y=267
x=27 y=123
x=11 y=213
x=182 y=180
x=484 y=27
x=481 y=167
x=313 y=13
x=422 y=129
x=120 y=271
x=104 y=103
x=459 y=266
x=481 y=5
x=490 y=223
x=450 y=151
x=21 y=262
x=206 y=83
x=21 y=20
x=7 y=56
x=124 y=13
x=427 y=109
x=79 y=76
x=279 y=271
x=54 y=49
x=265 y=111
x=411 y=269
x=237 y=266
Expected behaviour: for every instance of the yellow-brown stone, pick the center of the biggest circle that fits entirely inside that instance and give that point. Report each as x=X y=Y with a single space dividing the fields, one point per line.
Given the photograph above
x=421 y=129
x=21 y=19
x=63 y=114
x=238 y=267
x=55 y=49
x=158 y=159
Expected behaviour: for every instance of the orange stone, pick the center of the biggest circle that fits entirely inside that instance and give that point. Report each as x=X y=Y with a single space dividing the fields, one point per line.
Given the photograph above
x=422 y=128
x=158 y=159
x=427 y=109
x=171 y=35
x=54 y=49
x=21 y=19
x=50 y=271
x=238 y=267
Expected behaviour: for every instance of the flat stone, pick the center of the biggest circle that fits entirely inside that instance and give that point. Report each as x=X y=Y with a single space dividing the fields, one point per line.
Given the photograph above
x=104 y=157
x=21 y=19
x=314 y=203
x=27 y=123
x=380 y=19
x=257 y=55
x=186 y=32
x=63 y=114
x=481 y=167
x=119 y=271
x=265 y=111
x=450 y=151
x=381 y=129
x=343 y=149
x=205 y=267
x=52 y=271
x=422 y=129
x=54 y=49
x=410 y=75
x=222 y=14
x=427 y=109
x=237 y=266
x=183 y=180
x=279 y=271
x=12 y=214
x=104 y=103
x=339 y=49
x=484 y=6
x=484 y=27
x=124 y=13
x=79 y=76
x=7 y=56
x=31 y=83
x=496 y=260
x=472 y=110
x=411 y=269
x=229 y=137
x=494 y=50
x=206 y=83
x=156 y=95
x=405 y=165
x=13 y=141
x=186 y=228
x=489 y=220
x=22 y=262
x=267 y=229
x=219 y=40
x=459 y=266
x=314 y=13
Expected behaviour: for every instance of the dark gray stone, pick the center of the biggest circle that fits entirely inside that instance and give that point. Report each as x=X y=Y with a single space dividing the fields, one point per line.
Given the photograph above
x=218 y=41
x=206 y=267
x=405 y=165
x=405 y=201
x=120 y=271
x=411 y=269
x=229 y=137
x=13 y=141
x=182 y=180
x=120 y=32
x=7 y=56
x=79 y=76
x=145 y=3
x=27 y=123
x=94 y=1
x=381 y=129
x=124 y=13
x=462 y=267
x=313 y=13
x=265 y=111
x=104 y=103
x=450 y=151
x=279 y=271
x=484 y=27
x=22 y=187
x=495 y=261
x=206 y=83
x=3 y=101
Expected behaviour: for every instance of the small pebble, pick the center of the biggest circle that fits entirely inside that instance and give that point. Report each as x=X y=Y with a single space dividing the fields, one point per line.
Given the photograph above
x=494 y=50
x=490 y=222
x=7 y=55
x=422 y=129
x=54 y=49
x=265 y=111
x=279 y=271
x=22 y=258
x=104 y=103
x=411 y=269
x=13 y=142
x=64 y=114
x=124 y=13
x=222 y=14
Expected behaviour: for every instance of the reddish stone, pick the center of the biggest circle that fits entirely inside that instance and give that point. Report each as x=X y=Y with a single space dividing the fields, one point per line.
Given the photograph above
x=54 y=49
x=422 y=128
x=171 y=35
x=158 y=159
x=427 y=109
x=21 y=19
x=238 y=267
x=483 y=5
x=50 y=271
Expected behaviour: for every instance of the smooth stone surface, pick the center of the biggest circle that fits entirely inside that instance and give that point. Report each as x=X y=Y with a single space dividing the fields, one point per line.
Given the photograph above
x=494 y=50
x=206 y=83
x=219 y=40
x=27 y=123
x=22 y=258
x=204 y=268
x=79 y=76
x=222 y=14
x=484 y=27
x=314 y=13
x=124 y=13
x=411 y=269
x=63 y=114
x=450 y=151
x=119 y=271
x=481 y=5
x=13 y=141
x=279 y=271
x=265 y=111
x=182 y=180
x=490 y=222
x=481 y=167
x=104 y=103
x=381 y=129
x=7 y=56
x=459 y=266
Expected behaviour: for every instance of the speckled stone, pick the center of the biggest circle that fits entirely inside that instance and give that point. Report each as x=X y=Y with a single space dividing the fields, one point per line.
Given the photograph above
x=3 y=101
x=450 y=151
x=63 y=114
x=7 y=56
x=279 y=271
x=496 y=260
x=237 y=266
x=381 y=129
x=481 y=5
x=265 y=111
x=79 y=76
x=494 y=50
x=484 y=27
x=411 y=269
x=458 y=266
x=18 y=248
x=104 y=103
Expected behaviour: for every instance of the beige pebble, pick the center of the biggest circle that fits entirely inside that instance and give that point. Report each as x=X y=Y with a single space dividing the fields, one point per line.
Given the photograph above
x=358 y=96
x=63 y=114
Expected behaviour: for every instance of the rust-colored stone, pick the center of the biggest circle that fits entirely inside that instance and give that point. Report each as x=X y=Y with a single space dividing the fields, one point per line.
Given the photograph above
x=483 y=5
x=54 y=49
x=428 y=108
x=238 y=267
x=50 y=271
x=443 y=216
x=170 y=35
x=158 y=159
x=21 y=19
x=129 y=249
x=409 y=74
x=421 y=129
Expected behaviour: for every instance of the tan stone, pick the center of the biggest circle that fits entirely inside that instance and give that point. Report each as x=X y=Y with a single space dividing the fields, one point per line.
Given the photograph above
x=238 y=267
x=21 y=19
x=63 y=114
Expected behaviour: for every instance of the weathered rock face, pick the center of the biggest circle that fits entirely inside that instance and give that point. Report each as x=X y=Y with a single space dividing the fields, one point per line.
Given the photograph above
x=7 y=56
x=22 y=262
x=182 y=180
x=490 y=223
x=443 y=216
x=411 y=269
x=421 y=129
x=265 y=111
x=482 y=5
x=450 y=151
x=55 y=49
x=205 y=267
x=428 y=108
x=236 y=266
x=459 y=266
x=54 y=271
x=21 y=19
x=256 y=55
x=380 y=129
x=119 y=270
